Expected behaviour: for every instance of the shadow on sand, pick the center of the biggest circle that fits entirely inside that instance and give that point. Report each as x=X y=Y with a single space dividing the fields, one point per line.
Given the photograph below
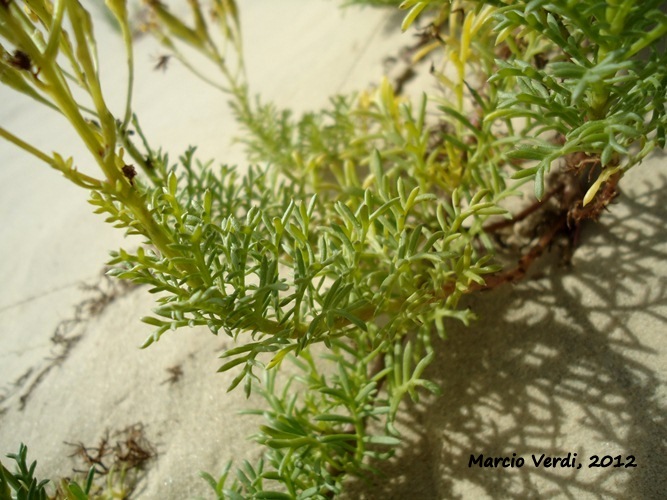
x=572 y=361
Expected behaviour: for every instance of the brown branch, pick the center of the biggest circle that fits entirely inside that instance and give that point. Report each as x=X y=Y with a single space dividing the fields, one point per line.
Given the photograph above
x=527 y=260
x=570 y=217
x=531 y=209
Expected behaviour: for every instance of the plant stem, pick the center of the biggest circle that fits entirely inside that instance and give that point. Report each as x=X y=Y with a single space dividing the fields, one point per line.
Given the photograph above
x=25 y=146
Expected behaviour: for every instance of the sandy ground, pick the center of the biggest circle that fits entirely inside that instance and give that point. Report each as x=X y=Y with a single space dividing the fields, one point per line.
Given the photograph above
x=570 y=362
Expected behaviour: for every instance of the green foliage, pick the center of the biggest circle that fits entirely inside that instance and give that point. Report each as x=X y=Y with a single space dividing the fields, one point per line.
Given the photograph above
x=602 y=77
x=23 y=482
x=23 y=485
x=364 y=224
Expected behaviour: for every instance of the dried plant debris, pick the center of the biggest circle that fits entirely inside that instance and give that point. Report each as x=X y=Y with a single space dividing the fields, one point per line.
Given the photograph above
x=119 y=460
x=127 y=449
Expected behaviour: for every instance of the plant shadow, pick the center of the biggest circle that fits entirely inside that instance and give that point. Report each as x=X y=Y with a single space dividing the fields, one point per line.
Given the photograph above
x=568 y=362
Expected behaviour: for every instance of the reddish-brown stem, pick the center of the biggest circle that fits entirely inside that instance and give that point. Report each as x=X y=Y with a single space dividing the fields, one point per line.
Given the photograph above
x=531 y=209
x=525 y=261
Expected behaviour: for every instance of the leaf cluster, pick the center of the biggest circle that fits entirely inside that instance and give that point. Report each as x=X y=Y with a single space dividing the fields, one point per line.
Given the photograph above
x=316 y=433
x=599 y=89
x=23 y=485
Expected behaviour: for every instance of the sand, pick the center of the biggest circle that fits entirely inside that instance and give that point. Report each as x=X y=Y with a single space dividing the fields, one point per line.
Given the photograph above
x=572 y=361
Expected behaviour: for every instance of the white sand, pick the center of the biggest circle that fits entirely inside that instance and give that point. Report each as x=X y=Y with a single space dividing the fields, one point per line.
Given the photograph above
x=569 y=362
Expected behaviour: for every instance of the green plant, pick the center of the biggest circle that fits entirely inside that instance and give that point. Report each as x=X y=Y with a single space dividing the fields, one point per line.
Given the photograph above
x=369 y=221
x=25 y=486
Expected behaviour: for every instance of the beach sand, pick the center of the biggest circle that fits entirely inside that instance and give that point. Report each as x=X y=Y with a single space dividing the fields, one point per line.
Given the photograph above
x=570 y=361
